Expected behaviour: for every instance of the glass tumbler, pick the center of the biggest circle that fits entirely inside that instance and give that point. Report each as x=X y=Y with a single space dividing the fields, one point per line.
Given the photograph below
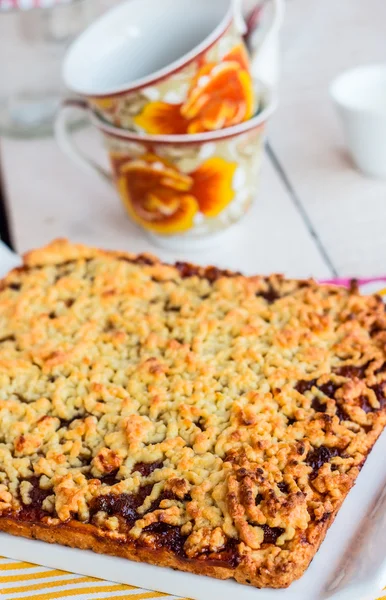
x=34 y=35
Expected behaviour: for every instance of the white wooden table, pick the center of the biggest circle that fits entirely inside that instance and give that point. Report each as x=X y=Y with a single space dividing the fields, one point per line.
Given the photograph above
x=315 y=215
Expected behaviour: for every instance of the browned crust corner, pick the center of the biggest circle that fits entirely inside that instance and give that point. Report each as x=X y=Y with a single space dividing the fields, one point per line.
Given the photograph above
x=62 y=250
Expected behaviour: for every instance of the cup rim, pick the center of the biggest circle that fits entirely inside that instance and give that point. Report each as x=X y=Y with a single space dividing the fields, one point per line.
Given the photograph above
x=158 y=75
x=270 y=106
x=358 y=72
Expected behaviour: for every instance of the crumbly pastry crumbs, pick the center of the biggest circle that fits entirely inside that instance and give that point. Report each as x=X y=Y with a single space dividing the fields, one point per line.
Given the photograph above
x=183 y=416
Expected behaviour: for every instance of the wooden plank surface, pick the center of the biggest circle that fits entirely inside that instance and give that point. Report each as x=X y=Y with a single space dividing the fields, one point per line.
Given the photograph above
x=348 y=210
x=52 y=198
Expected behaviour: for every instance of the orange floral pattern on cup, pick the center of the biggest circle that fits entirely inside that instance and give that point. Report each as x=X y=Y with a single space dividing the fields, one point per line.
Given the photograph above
x=164 y=200
x=220 y=95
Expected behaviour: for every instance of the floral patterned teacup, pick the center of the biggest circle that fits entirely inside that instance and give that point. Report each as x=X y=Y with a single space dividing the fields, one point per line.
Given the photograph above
x=167 y=67
x=182 y=189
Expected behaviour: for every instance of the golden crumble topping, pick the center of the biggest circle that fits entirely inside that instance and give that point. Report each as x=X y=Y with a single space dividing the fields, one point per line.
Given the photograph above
x=221 y=417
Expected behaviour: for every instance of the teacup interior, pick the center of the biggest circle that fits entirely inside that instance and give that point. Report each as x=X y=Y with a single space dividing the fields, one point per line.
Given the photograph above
x=139 y=38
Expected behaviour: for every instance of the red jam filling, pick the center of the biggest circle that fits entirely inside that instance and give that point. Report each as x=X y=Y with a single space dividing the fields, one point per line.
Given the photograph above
x=271 y=534
x=34 y=512
x=318 y=457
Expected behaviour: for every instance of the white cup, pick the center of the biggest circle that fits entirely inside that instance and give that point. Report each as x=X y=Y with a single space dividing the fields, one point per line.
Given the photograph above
x=360 y=98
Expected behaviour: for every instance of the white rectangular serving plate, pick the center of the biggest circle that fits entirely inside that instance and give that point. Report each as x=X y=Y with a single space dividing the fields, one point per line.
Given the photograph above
x=350 y=565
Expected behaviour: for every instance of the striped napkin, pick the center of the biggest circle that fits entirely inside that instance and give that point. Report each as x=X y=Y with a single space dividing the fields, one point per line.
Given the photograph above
x=6 y=5
x=22 y=580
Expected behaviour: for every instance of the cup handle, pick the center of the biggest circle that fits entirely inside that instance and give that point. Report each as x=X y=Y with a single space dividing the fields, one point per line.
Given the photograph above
x=265 y=59
x=63 y=136
x=252 y=19
x=239 y=20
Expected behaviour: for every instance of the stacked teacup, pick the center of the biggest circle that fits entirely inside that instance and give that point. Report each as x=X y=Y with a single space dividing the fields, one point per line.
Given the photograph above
x=176 y=94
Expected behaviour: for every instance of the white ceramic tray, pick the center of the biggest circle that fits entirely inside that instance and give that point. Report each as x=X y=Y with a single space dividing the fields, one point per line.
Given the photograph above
x=351 y=564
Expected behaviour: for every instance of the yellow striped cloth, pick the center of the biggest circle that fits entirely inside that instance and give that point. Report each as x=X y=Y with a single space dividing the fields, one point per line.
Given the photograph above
x=22 y=581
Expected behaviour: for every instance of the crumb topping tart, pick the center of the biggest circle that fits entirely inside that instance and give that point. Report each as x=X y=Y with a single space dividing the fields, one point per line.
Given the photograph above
x=183 y=416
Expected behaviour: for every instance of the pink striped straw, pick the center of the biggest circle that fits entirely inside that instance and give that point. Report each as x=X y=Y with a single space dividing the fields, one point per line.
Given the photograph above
x=346 y=282
x=6 y=5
